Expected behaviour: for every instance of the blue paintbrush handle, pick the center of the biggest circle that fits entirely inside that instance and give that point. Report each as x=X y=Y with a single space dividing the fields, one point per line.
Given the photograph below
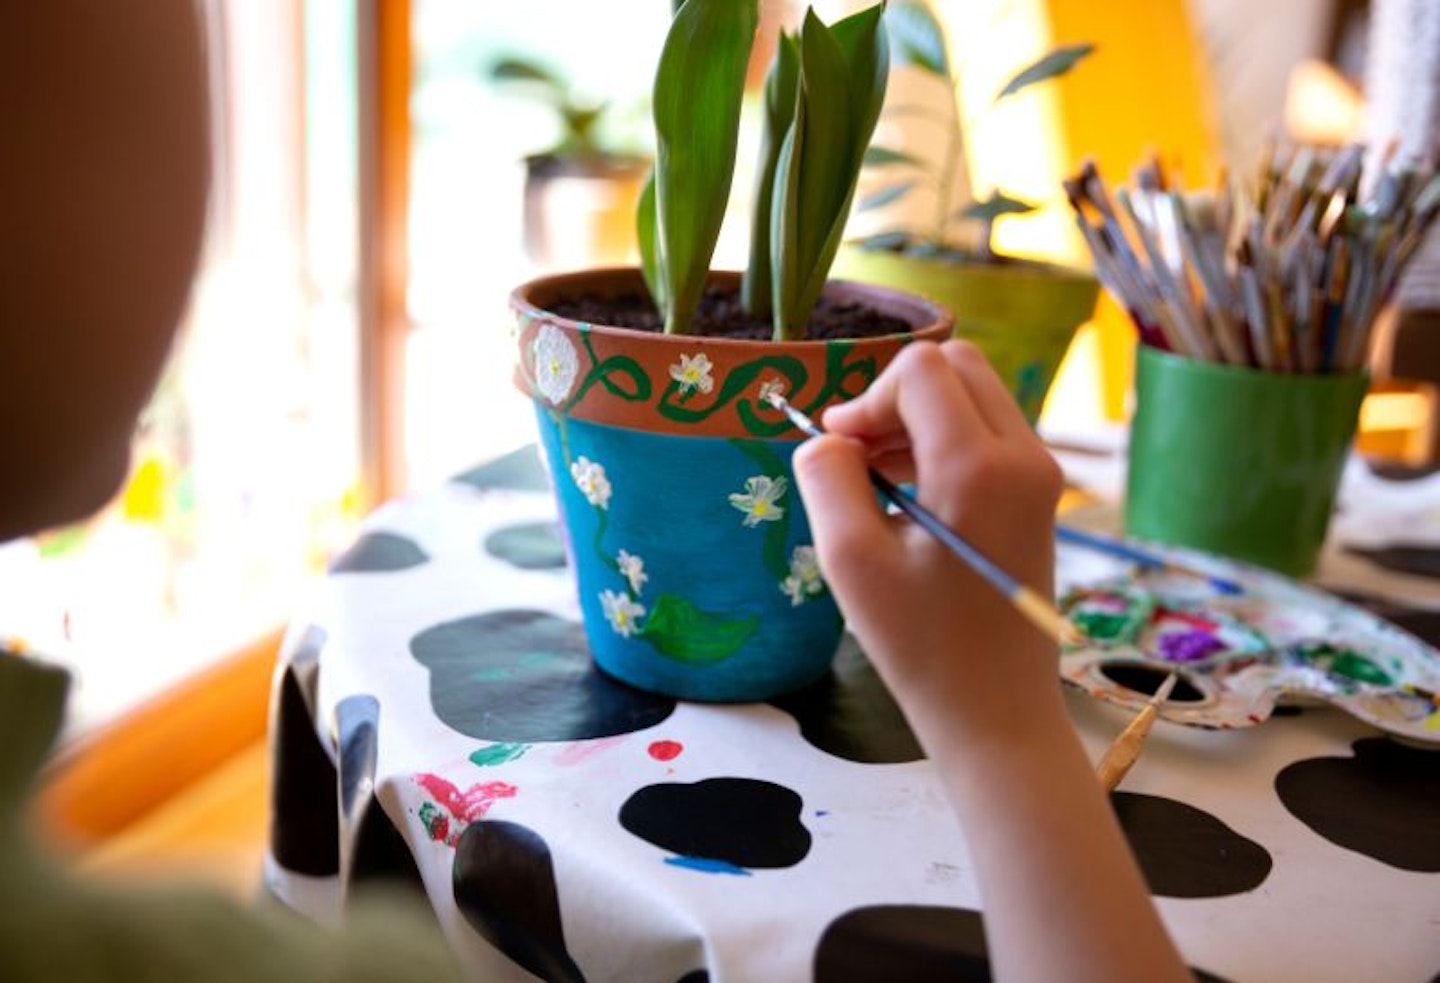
x=932 y=524
x=1135 y=554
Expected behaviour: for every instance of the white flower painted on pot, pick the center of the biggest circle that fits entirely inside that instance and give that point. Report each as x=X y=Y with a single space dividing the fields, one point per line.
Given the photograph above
x=773 y=386
x=804 y=581
x=761 y=499
x=556 y=363
x=632 y=568
x=623 y=614
x=693 y=372
x=590 y=479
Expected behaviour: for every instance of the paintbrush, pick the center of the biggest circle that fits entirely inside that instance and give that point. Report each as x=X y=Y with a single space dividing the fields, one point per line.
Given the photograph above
x=1143 y=557
x=1039 y=610
x=1125 y=750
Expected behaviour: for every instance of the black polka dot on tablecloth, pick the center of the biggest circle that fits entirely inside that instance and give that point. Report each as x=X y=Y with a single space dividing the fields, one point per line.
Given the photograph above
x=849 y=713
x=304 y=813
x=1418 y=561
x=1384 y=802
x=531 y=546
x=903 y=944
x=1185 y=852
x=505 y=888
x=380 y=552
x=721 y=825
x=911 y=944
x=527 y=676
x=519 y=470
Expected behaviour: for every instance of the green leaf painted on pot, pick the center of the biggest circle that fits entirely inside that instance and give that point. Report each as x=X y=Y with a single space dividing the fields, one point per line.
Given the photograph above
x=1056 y=63
x=680 y=630
x=697 y=96
x=916 y=37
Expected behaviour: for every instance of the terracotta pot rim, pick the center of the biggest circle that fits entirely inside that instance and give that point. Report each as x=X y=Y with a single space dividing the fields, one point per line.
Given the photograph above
x=923 y=314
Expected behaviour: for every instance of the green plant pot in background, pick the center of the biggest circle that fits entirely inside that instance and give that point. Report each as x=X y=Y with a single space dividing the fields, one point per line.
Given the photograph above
x=1237 y=461
x=1021 y=314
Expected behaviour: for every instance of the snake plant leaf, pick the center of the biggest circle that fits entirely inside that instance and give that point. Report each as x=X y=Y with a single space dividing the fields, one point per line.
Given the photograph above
x=916 y=37
x=843 y=71
x=885 y=156
x=782 y=83
x=993 y=207
x=697 y=96
x=1054 y=64
x=645 y=236
x=884 y=196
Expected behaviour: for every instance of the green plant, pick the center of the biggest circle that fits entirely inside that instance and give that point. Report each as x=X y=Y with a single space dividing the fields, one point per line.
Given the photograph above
x=823 y=95
x=919 y=41
x=578 y=118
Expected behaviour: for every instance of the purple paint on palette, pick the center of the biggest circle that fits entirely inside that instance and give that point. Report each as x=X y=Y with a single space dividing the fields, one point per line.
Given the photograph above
x=1189 y=646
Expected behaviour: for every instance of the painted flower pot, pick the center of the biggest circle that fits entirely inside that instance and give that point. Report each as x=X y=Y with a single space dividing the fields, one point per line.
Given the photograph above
x=1021 y=314
x=692 y=554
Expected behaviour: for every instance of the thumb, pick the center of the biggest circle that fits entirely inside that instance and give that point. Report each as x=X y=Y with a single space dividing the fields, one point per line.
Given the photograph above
x=850 y=528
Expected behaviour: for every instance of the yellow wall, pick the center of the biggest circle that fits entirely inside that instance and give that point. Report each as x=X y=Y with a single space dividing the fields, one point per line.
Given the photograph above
x=1144 y=90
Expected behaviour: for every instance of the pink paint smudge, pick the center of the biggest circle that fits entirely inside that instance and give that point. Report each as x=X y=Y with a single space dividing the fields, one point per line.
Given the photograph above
x=579 y=751
x=465 y=807
x=665 y=750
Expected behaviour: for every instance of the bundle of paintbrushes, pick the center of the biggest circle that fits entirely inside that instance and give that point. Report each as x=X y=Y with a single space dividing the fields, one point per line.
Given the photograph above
x=1287 y=274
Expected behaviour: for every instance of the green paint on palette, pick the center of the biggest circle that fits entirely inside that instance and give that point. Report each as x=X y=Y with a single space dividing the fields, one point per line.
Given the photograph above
x=497 y=754
x=1102 y=626
x=1349 y=664
x=1362 y=670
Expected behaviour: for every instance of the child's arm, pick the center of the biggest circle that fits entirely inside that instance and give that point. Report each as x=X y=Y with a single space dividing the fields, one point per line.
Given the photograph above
x=1063 y=896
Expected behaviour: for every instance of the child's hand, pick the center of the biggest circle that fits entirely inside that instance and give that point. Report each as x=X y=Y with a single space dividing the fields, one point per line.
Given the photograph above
x=950 y=646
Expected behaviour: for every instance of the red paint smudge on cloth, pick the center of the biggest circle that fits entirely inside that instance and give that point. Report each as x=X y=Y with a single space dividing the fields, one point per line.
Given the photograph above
x=665 y=750
x=471 y=804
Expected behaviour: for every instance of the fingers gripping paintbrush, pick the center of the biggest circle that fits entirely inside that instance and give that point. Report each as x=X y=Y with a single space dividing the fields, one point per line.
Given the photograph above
x=1039 y=610
x=1126 y=748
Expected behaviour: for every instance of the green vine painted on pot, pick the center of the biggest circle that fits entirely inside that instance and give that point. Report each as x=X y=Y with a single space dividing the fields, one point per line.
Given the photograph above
x=602 y=371
x=741 y=380
x=772 y=553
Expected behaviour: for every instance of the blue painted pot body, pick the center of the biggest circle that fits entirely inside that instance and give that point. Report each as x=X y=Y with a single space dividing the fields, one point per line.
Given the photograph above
x=692 y=554
x=718 y=604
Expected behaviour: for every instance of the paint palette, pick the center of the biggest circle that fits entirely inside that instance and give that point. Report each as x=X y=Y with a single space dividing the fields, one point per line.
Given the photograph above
x=1238 y=656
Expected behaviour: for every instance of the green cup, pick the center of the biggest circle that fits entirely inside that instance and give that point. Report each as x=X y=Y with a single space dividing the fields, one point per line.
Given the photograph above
x=1237 y=461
